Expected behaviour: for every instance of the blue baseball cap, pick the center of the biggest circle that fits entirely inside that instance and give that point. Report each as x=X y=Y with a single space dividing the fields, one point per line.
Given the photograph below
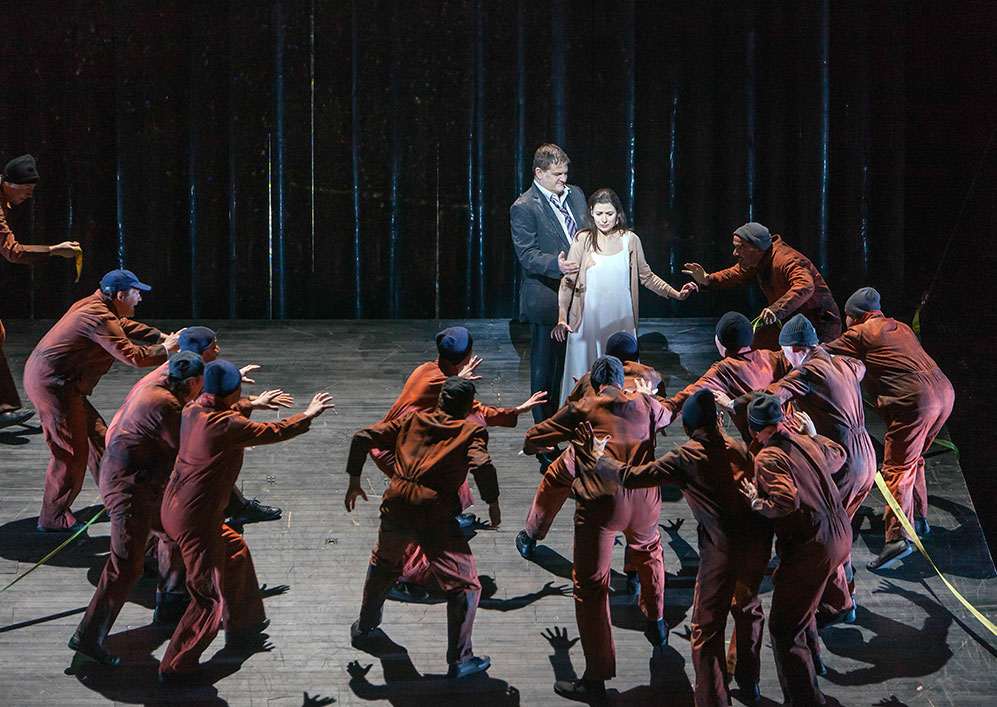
x=121 y=280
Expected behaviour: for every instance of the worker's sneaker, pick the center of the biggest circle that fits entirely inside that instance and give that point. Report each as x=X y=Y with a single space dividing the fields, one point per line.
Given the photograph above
x=892 y=552
x=749 y=691
x=475 y=664
x=93 y=651
x=582 y=690
x=71 y=529
x=921 y=527
x=526 y=545
x=255 y=512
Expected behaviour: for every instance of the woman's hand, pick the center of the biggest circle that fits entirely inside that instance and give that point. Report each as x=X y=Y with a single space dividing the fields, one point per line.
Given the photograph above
x=560 y=331
x=687 y=289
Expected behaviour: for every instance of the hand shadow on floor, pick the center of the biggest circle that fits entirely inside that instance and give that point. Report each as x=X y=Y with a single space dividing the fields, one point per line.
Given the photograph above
x=405 y=686
x=884 y=661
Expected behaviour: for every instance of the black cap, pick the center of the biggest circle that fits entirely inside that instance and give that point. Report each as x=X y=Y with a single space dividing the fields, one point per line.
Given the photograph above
x=197 y=339
x=756 y=234
x=185 y=364
x=454 y=344
x=606 y=370
x=763 y=410
x=221 y=378
x=699 y=410
x=623 y=345
x=21 y=170
x=456 y=395
x=798 y=331
x=864 y=299
x=734 y=332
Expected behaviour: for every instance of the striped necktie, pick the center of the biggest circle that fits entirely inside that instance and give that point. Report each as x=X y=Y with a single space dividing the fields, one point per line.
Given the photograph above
x=569 y=222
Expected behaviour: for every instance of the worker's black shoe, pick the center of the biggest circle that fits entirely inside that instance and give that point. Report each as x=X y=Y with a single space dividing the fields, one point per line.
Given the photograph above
x=749 y=691
x=93 y=651
x=255 y=512
x=475 y=664
x=466 y=520
x=14 y=417
x=582 y=690
x=247 y=637
x=656 y=632
x=526 y=545
x=844 y=617
x=819 y=668
x=892 y=552
x=169 y=609
x=408 y=591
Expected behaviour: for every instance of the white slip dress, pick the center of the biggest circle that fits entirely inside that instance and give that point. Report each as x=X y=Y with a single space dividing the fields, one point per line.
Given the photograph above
x=608 y=309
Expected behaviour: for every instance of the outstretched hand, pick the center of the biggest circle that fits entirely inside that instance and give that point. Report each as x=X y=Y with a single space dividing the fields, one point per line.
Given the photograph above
x=697 y=273
x=245 y=371
x=538 y=398
x=272 y=399
x=319 y=404
x=66 y=249
x=587 y=445
x=673 y=525
x=642 y=385
x=748 y=490
x=687 y=289
x=468 y=370
x=357 y=671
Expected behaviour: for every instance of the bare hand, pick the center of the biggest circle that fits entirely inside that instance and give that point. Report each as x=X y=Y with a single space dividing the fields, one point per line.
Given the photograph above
x=66 y=249
x=319 y=404
x=697 y=273
x=468 y=370
x=560 y=331
x=245 y=371
x=644 y=386
x=748 y=490
x=538 y=398
x=567 y=267
x=172 y=342
x=494 y=515
x=352 y=492
x=591 y=446
x=723 y=400
x=271 y=400
x=804 y=425
x=767 y=316
x=687 y=289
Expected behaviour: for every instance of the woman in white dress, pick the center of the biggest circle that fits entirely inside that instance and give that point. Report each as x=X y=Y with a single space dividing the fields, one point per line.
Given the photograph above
x=601 y=298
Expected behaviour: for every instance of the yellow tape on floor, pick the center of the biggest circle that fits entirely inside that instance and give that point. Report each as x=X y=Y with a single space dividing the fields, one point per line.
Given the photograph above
x=902 y=517
x=53 y=553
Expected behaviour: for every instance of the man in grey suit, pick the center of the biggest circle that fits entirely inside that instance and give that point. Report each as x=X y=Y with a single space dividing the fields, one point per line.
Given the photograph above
x=544 y=222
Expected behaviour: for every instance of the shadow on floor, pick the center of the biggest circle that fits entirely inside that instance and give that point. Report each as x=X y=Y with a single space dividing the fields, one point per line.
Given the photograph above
x=21 y=542
x=405 y=686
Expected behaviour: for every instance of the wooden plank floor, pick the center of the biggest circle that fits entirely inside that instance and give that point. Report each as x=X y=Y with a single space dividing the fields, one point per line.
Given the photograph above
x=912 y=644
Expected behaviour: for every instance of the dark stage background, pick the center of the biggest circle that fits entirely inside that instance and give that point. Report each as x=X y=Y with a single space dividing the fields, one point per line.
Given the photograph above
x=326 y=159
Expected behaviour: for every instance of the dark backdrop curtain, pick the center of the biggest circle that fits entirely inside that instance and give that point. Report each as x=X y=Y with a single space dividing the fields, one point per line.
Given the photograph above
x=328 y=159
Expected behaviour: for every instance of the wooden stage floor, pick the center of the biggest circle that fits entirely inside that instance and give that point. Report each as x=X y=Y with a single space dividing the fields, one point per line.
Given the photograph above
x=912 y=644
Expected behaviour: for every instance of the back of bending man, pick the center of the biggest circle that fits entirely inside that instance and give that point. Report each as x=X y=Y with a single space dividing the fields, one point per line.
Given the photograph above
x=434 y=452
x=913 y=397
x=734 y=543
x=17 y=185
x=61 y=373
x=603 y=509
x=787 y=278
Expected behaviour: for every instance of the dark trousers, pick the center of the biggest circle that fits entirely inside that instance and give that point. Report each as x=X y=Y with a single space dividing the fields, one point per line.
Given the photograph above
x=546 y=369
x=9 y=399
x=450 y=561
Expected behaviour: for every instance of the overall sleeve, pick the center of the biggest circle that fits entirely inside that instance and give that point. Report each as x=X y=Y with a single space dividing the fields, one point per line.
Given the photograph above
x=848 y=344
x=647 y=277
x=858 y=368
x=801 y=288
x=795 y=384
x=707 y=380
x=137 y=331
x=481 y=468
x=560 y=427
x=497 y=417
x=656 y=473
x=524 y=241
x=16 y=252
x=382 y=435
x=110 y=336
x=730 y=277
x=777 y=492
x=243 y=432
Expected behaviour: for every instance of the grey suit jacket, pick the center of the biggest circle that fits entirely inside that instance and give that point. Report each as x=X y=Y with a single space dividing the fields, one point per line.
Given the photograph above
x=538 y=237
